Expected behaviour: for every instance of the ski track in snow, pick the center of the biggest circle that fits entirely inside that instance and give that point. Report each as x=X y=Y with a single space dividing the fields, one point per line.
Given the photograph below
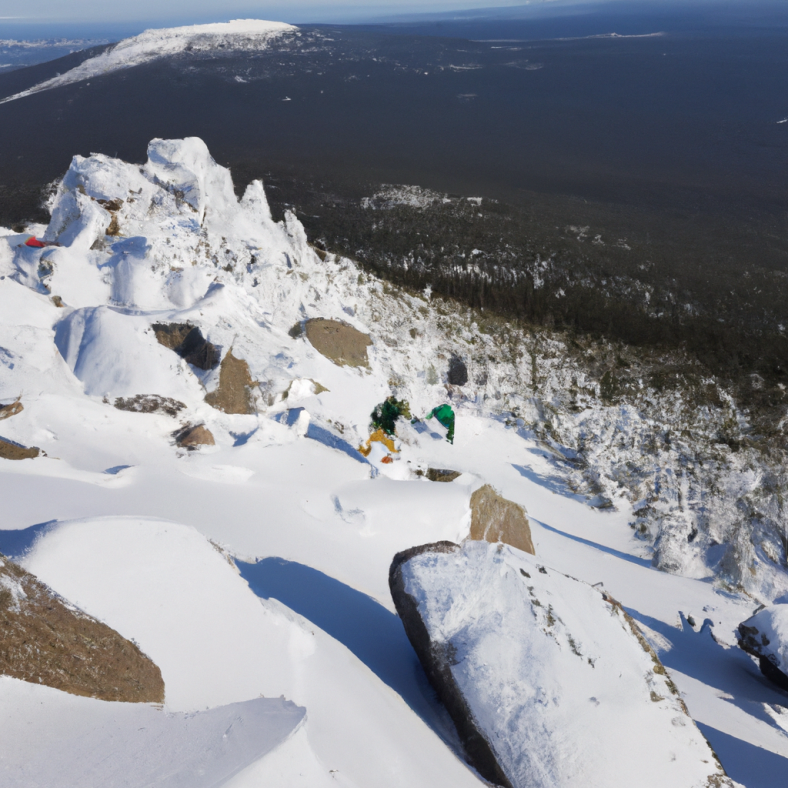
x=120 y=522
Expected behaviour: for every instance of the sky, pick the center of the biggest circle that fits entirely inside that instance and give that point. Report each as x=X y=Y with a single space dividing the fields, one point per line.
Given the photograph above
x=98 y=18
x=196 y=11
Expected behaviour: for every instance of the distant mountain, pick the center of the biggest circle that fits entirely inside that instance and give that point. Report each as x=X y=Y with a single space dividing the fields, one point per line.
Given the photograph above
x=240 y=35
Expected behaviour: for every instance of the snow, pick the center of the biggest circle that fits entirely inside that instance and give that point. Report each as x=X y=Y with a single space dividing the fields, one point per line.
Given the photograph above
x=121 y=522
x=239 y=34
x=554 y=677
x=52 y=738
x=167 y=588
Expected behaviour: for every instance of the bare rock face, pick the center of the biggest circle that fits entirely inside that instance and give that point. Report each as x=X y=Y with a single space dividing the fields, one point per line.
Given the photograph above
x=192 y=437
x=150 y=403
x=6 y=411
x=765 y=636
x=13 y=451
x=45 y=641
x=496 y=519
x=549 y=682
x=188 y=342
x=339 y=342
x=234 y=393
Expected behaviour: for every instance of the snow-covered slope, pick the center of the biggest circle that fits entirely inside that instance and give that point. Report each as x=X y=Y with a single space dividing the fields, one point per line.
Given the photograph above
x=550 y=671
x=239 y=35
x=119 y=520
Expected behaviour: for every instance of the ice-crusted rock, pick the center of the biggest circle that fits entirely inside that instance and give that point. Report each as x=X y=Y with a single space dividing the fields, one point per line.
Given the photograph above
x=765 y=636
x=547 y=679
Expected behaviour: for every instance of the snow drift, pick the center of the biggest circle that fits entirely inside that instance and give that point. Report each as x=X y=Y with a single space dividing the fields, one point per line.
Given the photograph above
x=547 y=679
x=51 y=738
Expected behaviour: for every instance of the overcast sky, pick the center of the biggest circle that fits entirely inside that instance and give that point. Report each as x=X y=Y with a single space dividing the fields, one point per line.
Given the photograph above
x=185 y=11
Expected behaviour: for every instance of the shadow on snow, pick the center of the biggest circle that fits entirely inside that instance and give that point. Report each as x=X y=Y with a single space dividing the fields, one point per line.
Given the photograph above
x=372 y=633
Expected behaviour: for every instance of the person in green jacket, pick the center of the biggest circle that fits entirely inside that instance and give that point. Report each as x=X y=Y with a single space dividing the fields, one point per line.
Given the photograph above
x=445 y=415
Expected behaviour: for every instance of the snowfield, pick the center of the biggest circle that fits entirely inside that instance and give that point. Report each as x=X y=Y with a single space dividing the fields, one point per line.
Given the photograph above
x=254 y=571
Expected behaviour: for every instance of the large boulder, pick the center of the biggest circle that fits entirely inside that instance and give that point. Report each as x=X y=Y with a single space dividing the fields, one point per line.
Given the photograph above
x=765 y=636
x=496 y=519
x=46 y=641
x=234 y=394
x=339 y=342
x=548 y=681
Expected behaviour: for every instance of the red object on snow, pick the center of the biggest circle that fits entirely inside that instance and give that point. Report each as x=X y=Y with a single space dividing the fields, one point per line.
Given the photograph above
x=33 y=241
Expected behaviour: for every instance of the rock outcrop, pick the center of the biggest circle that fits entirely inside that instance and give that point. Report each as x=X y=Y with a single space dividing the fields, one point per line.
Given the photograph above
x=442 y=474
x=496 y=519
x=194 y=436
x=188 y=342
x=14 y=451
x=765 y=636
x=46 y=641
x=234 y=394
x=339 y=342
x=6 y=411
x=547 y=680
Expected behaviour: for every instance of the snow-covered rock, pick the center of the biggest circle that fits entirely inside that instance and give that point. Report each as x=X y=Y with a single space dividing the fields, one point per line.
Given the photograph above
x=548 y=680
x=238 y=35
x=765 y=636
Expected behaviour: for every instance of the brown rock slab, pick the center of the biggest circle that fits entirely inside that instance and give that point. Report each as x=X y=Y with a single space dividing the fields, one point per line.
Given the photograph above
x=6 y=411
x=234 y=393
x=45 y=641
x=192 y=437
x=13 y=451
x=496 y=519
x=339 y=342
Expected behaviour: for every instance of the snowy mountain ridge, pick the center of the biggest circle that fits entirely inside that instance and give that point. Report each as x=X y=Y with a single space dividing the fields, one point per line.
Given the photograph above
x=246 y=35
x=169 y=243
